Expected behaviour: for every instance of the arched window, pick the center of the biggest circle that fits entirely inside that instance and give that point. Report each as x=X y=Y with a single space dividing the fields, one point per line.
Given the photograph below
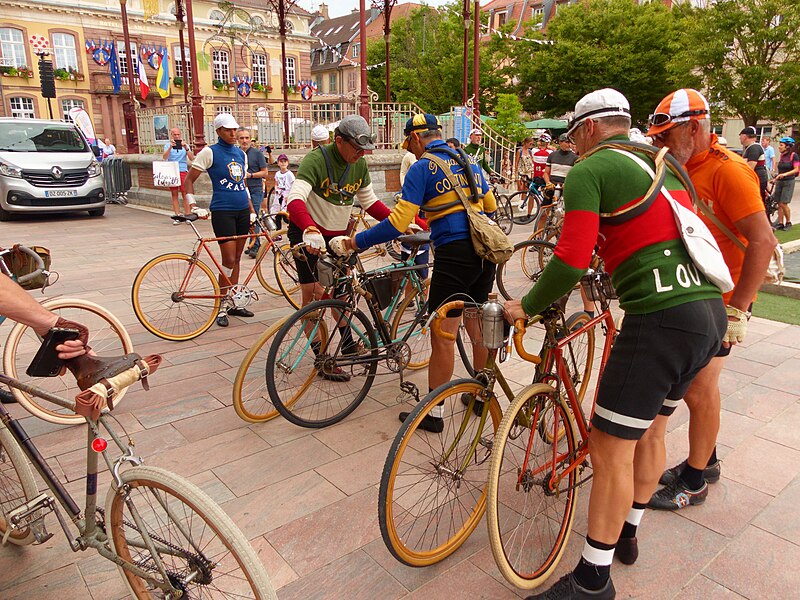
x=64 y=51
x=224 y=108
x=22 y=107
x=12 y=48
x=221 y=61
x=291 y=71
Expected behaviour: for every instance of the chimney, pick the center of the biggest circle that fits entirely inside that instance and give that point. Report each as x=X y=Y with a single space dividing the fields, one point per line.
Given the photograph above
x=323 y=10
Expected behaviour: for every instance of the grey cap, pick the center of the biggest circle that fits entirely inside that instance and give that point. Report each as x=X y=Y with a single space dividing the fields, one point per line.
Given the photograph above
x=356 y=127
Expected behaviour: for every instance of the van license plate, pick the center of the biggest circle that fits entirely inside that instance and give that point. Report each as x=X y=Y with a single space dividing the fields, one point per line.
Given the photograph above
x=60 y=193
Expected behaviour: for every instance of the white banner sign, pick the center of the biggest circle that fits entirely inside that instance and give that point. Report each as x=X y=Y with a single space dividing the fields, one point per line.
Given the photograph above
x=166 y=174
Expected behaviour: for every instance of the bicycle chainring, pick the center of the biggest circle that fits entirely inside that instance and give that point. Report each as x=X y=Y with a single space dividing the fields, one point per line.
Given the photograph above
x=398 y=355
x=241 y=295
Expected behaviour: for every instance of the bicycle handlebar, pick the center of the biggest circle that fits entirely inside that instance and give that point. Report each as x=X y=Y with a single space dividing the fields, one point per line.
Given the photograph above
x=36 y=258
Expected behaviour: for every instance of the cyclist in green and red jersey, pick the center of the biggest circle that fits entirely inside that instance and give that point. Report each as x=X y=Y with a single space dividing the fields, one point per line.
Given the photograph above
x=674 y=324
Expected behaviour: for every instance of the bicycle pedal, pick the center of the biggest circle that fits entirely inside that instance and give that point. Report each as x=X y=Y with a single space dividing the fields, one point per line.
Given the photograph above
x=20 y=517
x=408 y=391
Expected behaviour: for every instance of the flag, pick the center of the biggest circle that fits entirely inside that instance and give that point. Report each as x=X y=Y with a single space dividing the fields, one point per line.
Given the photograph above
x=162 y=76
x=144 y=87
x=116 y=76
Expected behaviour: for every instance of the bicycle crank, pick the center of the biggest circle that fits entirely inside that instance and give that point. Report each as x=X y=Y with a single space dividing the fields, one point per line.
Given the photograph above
x=241 y=295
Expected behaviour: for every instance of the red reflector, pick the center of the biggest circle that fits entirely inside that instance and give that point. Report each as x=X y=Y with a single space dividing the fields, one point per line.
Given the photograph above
x=99 y=444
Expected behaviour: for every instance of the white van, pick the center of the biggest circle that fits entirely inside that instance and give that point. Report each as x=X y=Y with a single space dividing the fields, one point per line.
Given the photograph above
x=47 y=166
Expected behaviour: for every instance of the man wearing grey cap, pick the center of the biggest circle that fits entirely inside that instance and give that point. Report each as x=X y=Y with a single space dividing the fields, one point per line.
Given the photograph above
x=231 y=208
x=753 y=153
x=673 y=327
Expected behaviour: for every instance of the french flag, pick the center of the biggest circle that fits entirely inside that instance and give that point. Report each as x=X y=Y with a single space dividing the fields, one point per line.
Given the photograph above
x=144 y=87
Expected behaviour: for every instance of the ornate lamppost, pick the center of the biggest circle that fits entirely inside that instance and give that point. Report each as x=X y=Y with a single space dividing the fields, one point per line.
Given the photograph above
x=130 y=108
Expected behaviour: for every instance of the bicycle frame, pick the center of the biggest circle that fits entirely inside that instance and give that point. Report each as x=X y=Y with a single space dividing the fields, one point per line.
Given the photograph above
x=90 y=534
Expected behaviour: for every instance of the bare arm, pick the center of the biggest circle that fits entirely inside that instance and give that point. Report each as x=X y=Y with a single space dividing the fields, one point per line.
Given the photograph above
x=189 y=153
x=165 y=156
x=188 y=184
x=547 y=174
x=760 y=244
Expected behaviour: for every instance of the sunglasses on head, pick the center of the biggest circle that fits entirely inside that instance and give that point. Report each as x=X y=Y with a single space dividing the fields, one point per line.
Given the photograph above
x=659 y=119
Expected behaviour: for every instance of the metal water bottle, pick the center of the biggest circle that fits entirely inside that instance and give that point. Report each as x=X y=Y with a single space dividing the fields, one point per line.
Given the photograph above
x=492 y=323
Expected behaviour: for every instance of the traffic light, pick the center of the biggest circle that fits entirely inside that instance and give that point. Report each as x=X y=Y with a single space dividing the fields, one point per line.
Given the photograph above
x=47 y=79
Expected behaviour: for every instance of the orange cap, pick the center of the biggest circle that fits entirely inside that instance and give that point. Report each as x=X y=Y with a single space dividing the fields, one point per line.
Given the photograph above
x=680 y=106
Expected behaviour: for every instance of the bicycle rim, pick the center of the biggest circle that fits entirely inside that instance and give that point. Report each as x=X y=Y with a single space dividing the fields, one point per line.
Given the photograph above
x=250 y=395
x=426 y=511
x=518 y=275
x=530 y=510
x=306 y=367
x=17 y=486
x=107 y=337
x=265 y=271
x=408 y=324
x=203 y=552
x=175 y=297
x=286 y=275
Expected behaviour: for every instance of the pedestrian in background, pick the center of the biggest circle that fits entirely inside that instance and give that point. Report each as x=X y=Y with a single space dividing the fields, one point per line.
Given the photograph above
x=788 y=168
x=177 y=151
x=769 y=153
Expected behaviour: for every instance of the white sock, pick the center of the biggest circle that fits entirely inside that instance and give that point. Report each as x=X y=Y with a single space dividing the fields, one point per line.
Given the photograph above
x=635 y=516
x=595 y=556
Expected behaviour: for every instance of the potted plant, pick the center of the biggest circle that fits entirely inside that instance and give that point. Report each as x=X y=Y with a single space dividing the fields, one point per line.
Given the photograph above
x=9 y=71
x=178 y=81
x=61 y=74
x=218 y=85
x=75 y=75
x=257 y=87
x=25 y=72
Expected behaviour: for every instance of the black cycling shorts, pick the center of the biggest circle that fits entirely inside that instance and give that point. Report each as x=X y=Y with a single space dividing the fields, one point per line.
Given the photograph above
x=655 y=357
x=459 y=274
x=230 y=222
x=305 y=262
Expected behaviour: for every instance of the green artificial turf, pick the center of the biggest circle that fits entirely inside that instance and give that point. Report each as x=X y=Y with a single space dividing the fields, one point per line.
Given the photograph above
x=777 y=308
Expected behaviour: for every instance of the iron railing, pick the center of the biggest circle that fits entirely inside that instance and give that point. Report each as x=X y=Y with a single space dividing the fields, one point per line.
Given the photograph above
x=154 y=124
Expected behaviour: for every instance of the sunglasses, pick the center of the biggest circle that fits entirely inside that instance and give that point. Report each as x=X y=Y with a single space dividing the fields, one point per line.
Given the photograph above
x=659 y=119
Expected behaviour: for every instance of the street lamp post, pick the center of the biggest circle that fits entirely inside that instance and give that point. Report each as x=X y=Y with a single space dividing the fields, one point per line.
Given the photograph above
x=130 y=111
x=465 y=90
x=197 y=99
x=363 y=108
x=181 y=25
x=476 y=45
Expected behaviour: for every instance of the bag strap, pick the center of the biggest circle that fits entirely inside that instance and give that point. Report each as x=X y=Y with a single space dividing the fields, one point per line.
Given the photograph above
x=704 y=208
x=456 y=185
x=342 y=181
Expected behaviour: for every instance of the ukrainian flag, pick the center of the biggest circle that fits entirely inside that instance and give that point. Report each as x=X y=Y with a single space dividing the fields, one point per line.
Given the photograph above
x=162 y=76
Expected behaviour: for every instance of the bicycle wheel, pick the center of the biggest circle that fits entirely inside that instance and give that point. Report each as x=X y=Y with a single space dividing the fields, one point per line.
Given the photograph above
x=529 y=513
x=176 y=297
x=504 y=215
x=17 y=486
x=286 y=275
x=203 y=552
x=250 y=397
x=579 y=353
x=107 y=337
x=319 y=371
x=516 y=276
x=517 y=198
x=266 y=268
x=428 y=506
x=407 y=325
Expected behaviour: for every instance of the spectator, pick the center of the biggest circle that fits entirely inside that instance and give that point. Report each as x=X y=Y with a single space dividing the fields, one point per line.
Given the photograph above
x=476 y=149
x=284 y=179
x=255 y=175
x=454 y=143
x=177 y=151
x=109 y=149
x=525 y=163
x=769 y=153
x=788 y=168
x=319 y=136
x=753 y=153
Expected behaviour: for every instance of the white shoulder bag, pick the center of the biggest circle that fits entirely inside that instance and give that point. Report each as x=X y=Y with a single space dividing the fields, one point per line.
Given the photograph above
x=699 y=242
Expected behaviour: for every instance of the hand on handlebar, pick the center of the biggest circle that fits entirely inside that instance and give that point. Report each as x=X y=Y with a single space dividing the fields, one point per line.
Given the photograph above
x=201 y=213
x=513 y=311
x=315 y=243
x=340 y=245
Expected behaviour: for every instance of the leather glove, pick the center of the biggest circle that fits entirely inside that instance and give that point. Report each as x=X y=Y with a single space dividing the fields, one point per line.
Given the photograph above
x=338 y=246
x=201 y=213
x=253 y=217
x=313 y=239
x=737 y=325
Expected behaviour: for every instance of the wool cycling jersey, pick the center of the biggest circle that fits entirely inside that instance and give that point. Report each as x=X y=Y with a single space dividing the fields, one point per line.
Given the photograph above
x=649 y=265
x=540 y=161
x=725 y=183
x=226 y=165
x=426 y=186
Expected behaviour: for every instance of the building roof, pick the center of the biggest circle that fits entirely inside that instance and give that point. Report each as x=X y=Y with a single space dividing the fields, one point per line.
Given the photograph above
x=335 y=36
x=375 y=28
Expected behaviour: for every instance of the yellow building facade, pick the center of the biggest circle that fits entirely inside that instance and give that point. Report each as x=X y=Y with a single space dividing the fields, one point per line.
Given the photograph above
x=238 y=41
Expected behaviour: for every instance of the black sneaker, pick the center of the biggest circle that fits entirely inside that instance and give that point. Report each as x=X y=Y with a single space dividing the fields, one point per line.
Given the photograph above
x=7 y=397
x=787 y=226
x=240 y=312
x=711 y=473
x=429 y=423
x=477 y=408
x=567 y=588
x=627 y=550
x=677 y=495
x=222 y=319
x=778 y=226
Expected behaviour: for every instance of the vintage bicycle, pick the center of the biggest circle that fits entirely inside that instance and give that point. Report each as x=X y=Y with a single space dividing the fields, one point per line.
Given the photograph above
x=177 y=296
x=433 y=488
x=167 y=537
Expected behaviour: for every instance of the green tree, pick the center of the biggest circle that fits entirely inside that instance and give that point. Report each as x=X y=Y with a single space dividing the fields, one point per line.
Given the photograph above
x=747 y=57
x=508 y=121
x=601 y=43
x=426 y=54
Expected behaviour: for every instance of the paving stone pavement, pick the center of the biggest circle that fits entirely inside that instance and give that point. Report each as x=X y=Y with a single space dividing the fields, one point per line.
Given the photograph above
x=307 y=499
